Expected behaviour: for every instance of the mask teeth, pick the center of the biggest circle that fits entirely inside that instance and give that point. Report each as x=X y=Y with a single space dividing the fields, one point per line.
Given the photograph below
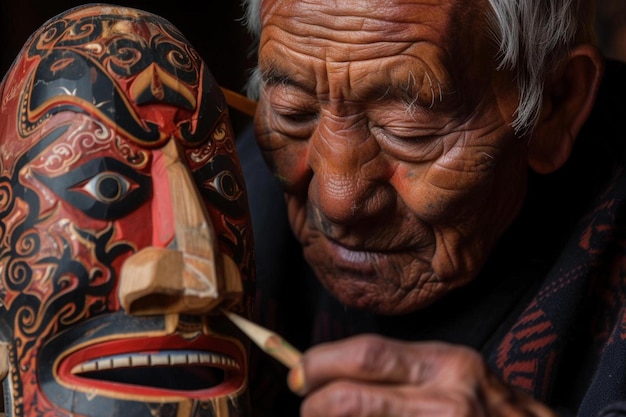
x=156 y=359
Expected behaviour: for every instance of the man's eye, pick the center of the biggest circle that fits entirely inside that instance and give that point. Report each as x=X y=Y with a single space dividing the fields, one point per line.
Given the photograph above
x=407 y=145
x=107 y=187
x=294 y=124
x=299 y=117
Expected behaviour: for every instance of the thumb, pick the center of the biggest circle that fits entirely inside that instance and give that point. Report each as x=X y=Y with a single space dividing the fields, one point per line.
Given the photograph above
x=296 y=380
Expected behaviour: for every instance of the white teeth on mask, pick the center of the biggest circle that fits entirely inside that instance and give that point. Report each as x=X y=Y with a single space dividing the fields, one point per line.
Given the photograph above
x=156 y=359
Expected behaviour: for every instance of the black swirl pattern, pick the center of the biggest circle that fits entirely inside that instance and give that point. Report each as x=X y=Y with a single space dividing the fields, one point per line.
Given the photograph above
x=77 y=292
x=80 y=77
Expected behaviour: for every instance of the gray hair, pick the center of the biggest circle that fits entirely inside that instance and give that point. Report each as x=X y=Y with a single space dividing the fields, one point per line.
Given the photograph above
x=533 y=37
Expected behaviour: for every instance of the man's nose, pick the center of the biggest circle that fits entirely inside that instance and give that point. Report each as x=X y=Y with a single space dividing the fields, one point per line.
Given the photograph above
x=350 y=172
x=190 y=275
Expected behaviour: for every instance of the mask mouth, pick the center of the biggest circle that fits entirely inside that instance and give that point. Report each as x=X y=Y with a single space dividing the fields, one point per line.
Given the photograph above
x=191 y=370
x=162 y=367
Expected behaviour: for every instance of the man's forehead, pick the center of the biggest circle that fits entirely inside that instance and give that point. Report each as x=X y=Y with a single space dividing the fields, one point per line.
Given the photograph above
x=406 y=50
x=402 y=78
x=349 y=31
x=365 y=15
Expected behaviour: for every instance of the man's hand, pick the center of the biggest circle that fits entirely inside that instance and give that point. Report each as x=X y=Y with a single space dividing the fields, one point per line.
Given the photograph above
x=370 y=376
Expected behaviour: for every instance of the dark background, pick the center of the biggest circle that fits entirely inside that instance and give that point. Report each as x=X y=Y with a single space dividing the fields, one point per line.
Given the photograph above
x=215 y=29
x=611 y=28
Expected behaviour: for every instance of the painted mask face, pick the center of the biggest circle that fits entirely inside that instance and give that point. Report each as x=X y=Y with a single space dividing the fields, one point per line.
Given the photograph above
x=124 y=224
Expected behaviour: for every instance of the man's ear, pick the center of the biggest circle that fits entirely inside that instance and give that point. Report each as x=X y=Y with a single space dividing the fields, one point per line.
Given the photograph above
x=569 y=96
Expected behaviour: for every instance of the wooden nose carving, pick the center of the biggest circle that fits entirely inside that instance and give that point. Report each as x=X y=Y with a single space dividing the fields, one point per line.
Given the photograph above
x=190 y=276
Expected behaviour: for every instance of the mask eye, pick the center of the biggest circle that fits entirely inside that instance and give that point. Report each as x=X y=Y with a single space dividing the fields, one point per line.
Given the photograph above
x=107 y=187
x=220 y=184
x=226 y=184
x=103 y=188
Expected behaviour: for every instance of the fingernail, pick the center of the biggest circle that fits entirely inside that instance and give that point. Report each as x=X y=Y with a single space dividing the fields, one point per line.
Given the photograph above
x=295 y=379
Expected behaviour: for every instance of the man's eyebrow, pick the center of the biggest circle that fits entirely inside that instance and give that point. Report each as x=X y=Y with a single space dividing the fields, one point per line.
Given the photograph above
x=396 y=92
x=411 y=93
x=428 y=93
x=276 y=77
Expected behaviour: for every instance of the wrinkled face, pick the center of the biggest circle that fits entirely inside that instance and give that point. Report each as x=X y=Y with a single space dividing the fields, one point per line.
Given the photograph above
x=124 y=225
x=389 y=128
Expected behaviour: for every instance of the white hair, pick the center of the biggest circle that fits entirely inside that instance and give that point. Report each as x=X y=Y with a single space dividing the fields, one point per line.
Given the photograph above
x=533 y=37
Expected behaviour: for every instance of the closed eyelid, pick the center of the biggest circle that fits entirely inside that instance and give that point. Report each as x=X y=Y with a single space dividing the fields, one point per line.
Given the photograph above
x=288 y=96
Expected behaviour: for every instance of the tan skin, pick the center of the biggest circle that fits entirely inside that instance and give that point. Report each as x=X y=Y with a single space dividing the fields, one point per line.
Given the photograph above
x=388 y=186
x=389 y=127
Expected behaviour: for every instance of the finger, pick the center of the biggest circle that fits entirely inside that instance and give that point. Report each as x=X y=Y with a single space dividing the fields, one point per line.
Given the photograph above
x=350 y=399
x=377 y=359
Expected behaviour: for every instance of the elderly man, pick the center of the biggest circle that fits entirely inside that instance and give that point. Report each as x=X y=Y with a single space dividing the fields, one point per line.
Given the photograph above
x=454 y=198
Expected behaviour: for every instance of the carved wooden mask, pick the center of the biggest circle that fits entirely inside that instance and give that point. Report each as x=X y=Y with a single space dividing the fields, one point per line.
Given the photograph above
x=124 y=224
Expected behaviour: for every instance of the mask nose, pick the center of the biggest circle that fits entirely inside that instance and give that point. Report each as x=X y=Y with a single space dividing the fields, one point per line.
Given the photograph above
x=190 y=275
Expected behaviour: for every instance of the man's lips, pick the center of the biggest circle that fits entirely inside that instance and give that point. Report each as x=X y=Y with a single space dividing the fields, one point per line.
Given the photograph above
x=157 y=367
x=353 y=260
x=361 y=261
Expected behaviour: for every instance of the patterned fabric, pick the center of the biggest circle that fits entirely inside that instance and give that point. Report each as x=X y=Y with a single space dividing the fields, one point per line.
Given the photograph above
x=548 y=311
x=568 y=347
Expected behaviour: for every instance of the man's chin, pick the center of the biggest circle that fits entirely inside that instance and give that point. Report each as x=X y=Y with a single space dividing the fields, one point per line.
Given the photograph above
x=390 y=281
x=385 y=298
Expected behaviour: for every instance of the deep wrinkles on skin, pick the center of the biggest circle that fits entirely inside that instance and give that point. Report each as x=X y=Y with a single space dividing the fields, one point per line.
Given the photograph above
x=476 y=165
x=395 y=43
x=452 y=255
x=420 y=88
x=376 y=234
x=345 y=24
x=422 y=284
x=479 y=166
x=327 y=228
x=344 y=174
x=425 y=94
x=426 y=281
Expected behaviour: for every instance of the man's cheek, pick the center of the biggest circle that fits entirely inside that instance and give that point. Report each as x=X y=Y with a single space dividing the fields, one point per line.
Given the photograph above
x=290 y=165
x=438 y=195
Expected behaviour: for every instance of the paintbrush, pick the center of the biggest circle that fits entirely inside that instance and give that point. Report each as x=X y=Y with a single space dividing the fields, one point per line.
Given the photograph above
x=239 y=102
x=268 y=341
